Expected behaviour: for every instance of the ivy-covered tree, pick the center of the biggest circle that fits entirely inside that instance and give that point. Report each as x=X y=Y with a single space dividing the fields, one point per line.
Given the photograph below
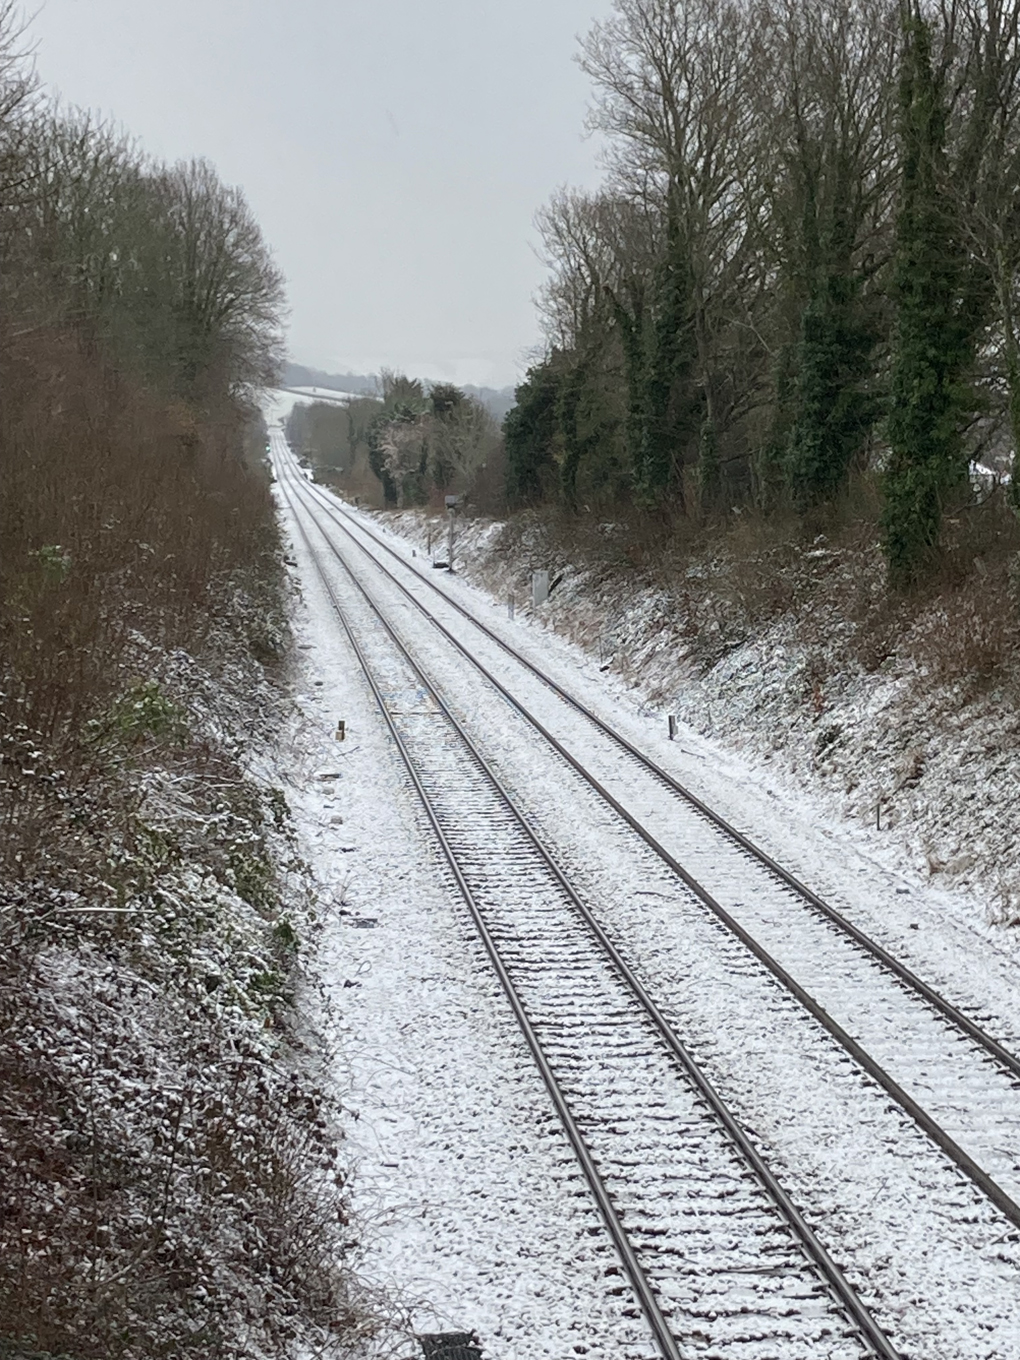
x=449 y=406
x=571 y=393
x=809 y=223
x=834 y=119
x=836 y=401
x=399 y=467
x=672 y=414
x=938 y=308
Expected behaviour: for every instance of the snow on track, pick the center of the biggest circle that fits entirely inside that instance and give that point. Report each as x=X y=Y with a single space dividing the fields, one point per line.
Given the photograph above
x=976 y=1104
x=891 y=1209
x=474 y=1213
x=727 y=1270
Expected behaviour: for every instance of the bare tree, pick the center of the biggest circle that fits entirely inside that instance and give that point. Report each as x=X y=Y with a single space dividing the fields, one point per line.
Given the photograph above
x=18 y=88
x=827 y=123
x=226 y=294
x=674 y=84
x=461 y=440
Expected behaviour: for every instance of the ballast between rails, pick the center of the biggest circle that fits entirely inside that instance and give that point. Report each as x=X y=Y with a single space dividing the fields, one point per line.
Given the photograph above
x=1006 y=1059
x=930 y=1126
x=643 y=1291
x=871 y=1333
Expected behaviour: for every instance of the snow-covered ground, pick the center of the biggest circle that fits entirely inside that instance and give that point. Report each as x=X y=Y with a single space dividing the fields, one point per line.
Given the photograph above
x=326 y=394
x=921 y=776
x=472 y=1210
x=474 y=1214
x=278 y=403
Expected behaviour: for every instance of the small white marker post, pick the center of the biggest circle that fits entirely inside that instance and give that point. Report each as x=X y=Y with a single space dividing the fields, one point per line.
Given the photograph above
x=341 y=730
x=510 y=608
x=539 y=587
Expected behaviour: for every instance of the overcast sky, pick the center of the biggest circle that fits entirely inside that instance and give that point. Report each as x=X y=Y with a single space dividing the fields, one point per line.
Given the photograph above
x=395 y=151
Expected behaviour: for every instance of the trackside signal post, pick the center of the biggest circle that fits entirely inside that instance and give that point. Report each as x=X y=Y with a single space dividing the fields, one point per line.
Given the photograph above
x=452 y=506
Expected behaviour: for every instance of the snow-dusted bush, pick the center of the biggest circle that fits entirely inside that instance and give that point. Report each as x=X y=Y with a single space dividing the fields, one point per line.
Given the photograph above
x=782 y=637
x=171 y=1178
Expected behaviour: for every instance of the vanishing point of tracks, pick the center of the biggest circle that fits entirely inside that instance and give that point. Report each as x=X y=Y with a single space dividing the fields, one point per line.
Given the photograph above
x=719 y=1258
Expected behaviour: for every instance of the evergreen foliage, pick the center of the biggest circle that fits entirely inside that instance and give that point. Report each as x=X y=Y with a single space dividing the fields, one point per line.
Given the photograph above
x=425 y=443
x=801 y=271
x=630 y=328
x=671 y=409
x=377 y=462
x=571 y=390
x=935 y=337
x=836 y=404
x=530 y=431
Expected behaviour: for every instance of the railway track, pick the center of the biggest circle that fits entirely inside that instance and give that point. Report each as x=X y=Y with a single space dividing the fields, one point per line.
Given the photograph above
x=958 y=1083
x=965 y=1082
x=720 y=1260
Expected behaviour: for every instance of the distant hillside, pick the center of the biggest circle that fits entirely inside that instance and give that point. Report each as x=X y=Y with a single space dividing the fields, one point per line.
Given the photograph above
x=497 y=400
x=297 y=375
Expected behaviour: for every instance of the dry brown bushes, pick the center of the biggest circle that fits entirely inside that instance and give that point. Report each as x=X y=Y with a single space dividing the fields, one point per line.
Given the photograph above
x=126 y=528
x=728 y=580
x=170 y=1181
x=170 y=1176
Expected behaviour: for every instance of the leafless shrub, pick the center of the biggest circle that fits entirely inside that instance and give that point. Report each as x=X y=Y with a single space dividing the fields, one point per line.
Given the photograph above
x=171 y=1181
x=971 y=635
x=117 y=544
x=186 y=1209
x=727 y=580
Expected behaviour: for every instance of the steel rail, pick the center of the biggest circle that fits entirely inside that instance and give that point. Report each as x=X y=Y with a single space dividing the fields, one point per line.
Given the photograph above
x=1006 y=1059
x=639 y=1282
x=872 y=1334
x=920 y=1116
